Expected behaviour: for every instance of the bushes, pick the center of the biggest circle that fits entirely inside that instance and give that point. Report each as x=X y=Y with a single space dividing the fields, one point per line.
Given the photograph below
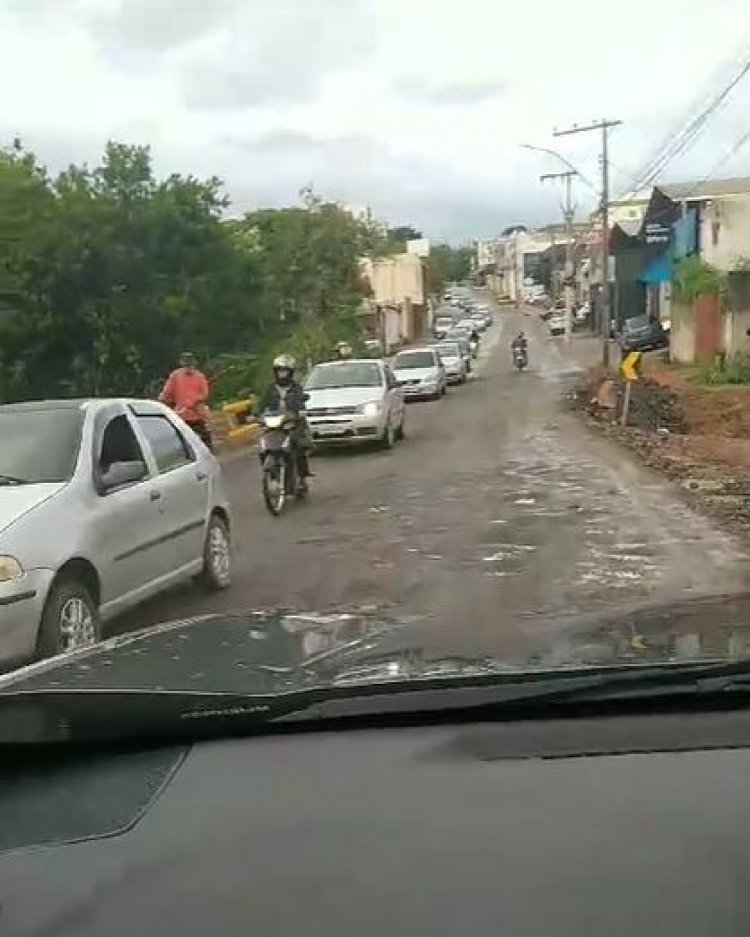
x=734 y=370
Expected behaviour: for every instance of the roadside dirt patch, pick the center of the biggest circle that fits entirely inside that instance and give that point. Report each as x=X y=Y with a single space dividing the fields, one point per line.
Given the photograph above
x=699 y=437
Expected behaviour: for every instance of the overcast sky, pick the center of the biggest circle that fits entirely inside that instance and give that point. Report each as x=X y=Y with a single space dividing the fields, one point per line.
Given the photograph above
x=414 y=107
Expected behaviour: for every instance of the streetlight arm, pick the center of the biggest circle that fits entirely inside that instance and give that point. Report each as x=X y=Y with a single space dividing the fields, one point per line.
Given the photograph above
x=562 y=159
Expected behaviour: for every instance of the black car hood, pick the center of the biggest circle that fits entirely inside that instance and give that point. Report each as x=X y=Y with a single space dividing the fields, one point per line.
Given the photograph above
x=276 y=651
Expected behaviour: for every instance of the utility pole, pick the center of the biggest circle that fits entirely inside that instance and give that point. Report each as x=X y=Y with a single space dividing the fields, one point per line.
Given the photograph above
x=604 y=126
x=568 y=210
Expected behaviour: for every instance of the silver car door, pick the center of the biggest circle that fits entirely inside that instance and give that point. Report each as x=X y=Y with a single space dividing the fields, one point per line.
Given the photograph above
x=126 y=526
x=184 y=480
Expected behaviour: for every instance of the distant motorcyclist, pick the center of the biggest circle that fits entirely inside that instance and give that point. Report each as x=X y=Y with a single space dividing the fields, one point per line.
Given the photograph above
x=343 y=351
x=520 y=341
x=520 y=345
x=287 y=395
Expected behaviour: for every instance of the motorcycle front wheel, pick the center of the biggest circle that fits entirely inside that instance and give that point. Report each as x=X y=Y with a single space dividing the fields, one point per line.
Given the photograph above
x=274 y=485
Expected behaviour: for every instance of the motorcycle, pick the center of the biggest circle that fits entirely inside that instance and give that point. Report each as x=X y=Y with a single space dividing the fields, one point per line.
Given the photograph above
x=473 y=347
x=520 y=358
x=280 y=477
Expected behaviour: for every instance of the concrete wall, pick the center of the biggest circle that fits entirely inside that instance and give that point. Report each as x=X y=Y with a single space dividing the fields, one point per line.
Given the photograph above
x=724 y=235
x=699 y=330
x=682 y=338
x=396 y=279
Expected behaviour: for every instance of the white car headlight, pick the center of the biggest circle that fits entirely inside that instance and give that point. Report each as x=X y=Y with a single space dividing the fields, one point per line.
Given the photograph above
x=372 y=408
x=10 y=568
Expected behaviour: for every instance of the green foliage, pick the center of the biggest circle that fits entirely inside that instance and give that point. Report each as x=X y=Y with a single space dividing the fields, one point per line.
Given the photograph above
x=694 y=277
x=107 y=273
x=734 y=370
x=447 y=264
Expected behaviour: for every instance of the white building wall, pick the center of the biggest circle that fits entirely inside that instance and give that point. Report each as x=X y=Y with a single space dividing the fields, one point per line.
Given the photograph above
x=725 y=231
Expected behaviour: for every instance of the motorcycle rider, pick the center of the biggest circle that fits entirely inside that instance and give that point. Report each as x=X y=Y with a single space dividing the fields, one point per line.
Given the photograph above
x=286 y=394
x=520 y=343
x=186 y=391
x=343 y=351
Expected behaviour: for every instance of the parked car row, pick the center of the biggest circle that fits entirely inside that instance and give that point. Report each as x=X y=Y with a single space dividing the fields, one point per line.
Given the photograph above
x=554 y=314
x=357 y=401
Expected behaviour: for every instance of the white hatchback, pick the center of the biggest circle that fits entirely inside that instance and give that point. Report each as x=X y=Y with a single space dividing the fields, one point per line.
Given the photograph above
x=354 y=401
x=103 y=503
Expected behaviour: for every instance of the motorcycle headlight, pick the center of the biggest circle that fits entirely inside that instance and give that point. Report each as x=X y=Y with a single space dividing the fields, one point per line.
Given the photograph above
x=10 y=569
x=372 y=408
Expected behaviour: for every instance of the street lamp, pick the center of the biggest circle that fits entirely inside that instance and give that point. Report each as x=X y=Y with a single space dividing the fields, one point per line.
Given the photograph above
x=562 y=159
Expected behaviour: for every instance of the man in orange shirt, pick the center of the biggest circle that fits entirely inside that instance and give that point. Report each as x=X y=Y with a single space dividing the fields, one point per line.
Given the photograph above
x=186 y=392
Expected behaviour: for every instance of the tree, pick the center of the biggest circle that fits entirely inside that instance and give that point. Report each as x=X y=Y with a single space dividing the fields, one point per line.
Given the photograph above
x=108 y=272
x=447 y=264
x=114 y=272
x=309 y=267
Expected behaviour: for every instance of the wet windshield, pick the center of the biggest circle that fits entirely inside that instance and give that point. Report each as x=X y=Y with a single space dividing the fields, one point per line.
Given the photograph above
x=212 y=212
x=349 y=374
x=38 y=445
x=414 y=359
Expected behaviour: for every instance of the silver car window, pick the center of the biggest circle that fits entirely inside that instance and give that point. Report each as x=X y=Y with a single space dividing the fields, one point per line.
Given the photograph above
x=119 y=444
x=169 y=448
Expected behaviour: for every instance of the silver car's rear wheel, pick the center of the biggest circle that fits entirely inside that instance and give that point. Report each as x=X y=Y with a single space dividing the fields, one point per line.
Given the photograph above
x=217 y=556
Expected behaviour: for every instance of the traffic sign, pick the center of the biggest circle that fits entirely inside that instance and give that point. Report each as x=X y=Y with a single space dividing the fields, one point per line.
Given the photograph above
x=631 y=365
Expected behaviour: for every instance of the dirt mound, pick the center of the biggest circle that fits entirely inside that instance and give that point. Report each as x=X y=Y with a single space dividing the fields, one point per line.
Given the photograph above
x=699 y=437
x=653 y=406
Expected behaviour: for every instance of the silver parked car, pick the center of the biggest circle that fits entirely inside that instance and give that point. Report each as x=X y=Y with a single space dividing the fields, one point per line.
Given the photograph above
x=420 y=372
x=103 y=503
x=354 y=401
x=453 y=361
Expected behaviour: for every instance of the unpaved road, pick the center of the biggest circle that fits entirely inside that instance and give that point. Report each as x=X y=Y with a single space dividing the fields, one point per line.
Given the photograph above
x=498 y=520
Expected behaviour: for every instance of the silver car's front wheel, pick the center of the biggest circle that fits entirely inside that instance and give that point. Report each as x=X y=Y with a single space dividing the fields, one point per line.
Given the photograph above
x=70 y=620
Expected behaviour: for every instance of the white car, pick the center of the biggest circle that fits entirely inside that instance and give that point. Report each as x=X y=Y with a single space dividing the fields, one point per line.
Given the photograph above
x=420 y=372
x=453 y=361
x=354 y=401
x=103 y=503
x=556 y=323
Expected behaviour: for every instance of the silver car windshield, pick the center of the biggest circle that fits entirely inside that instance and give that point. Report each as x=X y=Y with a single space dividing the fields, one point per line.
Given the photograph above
x=449 y=351
x=345 y=374
x=414 y=359
x=39 y=445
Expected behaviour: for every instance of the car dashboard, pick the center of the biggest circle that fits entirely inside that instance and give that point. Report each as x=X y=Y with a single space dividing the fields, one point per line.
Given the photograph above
x=615 y=826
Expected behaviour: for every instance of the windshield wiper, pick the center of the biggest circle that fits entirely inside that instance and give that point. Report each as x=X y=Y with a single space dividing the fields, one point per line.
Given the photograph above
x=12 y=480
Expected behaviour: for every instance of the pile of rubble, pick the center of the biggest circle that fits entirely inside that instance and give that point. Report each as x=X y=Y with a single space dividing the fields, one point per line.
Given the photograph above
x=653 y=407
x=713 y=470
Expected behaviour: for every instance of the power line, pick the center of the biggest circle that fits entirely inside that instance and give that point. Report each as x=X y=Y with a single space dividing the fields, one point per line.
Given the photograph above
x=734 y=149
x=687 y=125
x=685 y=138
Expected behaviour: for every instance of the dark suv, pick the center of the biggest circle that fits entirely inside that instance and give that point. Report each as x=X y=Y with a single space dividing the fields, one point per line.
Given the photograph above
x=642 y=333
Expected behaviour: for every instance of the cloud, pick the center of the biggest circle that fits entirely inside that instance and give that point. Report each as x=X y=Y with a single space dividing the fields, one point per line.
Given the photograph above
x=453 y=94
x=417 y=108
x=357 y=169
x=156 y=25
x=279 y=52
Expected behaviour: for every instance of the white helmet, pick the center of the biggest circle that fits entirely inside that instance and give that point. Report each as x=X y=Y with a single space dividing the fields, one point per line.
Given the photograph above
x=284 y=363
